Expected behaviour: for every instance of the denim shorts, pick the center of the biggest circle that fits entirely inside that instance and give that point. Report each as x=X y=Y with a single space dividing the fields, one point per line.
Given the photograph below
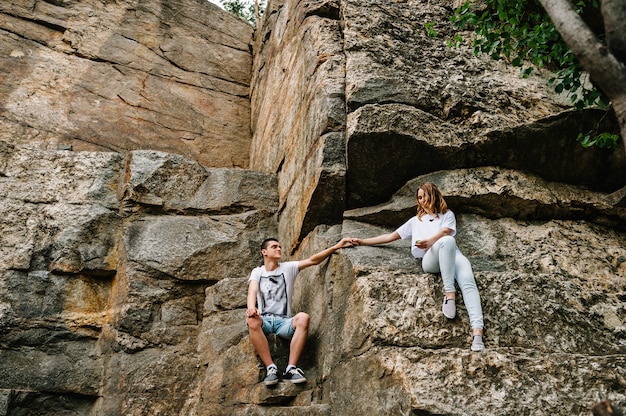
x=283 y=327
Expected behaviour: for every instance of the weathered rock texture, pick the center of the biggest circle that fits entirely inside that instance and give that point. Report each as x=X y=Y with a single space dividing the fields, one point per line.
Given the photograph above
x=105 y=261
x=413 y=106
x=416 y=106
x=298 y=113
x=169 y=75
x=123 y=274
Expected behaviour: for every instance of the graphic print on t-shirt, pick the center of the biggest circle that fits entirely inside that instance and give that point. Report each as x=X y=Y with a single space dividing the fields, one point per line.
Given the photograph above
x=273 y=295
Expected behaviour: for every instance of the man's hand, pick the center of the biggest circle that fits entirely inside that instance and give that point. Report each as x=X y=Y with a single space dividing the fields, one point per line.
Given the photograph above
x=322 y=255
x=345 y=242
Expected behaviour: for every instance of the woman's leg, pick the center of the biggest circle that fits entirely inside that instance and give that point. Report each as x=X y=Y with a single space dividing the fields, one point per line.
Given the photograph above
x=471 y=297
x=441 y=258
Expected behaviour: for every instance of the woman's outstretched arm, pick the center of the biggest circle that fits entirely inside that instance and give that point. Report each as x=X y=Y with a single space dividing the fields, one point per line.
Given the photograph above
x=372 y=241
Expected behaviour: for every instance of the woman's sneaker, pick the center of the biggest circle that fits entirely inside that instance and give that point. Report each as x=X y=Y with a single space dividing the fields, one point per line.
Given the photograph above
x=449 y=308
x=477 y=343
x=272 y=376
x=295 y=375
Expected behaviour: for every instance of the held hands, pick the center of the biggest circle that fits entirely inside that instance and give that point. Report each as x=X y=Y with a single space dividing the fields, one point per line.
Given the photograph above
x=345 y=242
x=252 y=312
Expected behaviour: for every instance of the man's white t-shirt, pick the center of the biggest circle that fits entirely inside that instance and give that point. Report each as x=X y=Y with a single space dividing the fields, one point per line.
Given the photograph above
x=416 y=229
x=275 y=288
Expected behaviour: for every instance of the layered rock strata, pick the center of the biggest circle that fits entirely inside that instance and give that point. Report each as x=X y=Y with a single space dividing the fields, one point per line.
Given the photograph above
x=104 y=266
x=368 y=100
x=298 y=113
x=123 y=274
x=126 y=75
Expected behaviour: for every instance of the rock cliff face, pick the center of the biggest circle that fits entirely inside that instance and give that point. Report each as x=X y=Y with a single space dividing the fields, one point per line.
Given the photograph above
x=123 y=273
x=126 y=75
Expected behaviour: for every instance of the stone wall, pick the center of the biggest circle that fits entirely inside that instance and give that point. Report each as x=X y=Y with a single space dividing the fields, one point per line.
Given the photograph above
x=298 y=113
x=105 y=262
x=169 y=75
x=123 y=275
x=356 y=96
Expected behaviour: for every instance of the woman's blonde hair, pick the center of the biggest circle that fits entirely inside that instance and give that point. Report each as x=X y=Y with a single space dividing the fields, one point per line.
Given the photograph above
x=435 y=203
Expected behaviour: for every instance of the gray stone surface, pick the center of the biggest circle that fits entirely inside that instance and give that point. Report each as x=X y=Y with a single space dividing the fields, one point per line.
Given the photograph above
x=416 y=105
x=377 y=330
x=95 y=289
x=496 y=193
x=123 y=276
x=179 y=185
x=388 y=144
x=300 y=64
x=126 y=75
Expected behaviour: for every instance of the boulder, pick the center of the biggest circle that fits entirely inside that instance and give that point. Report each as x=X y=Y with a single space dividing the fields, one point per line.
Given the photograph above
x=377 y=330
x=172 y=183
x=389 y=144
x=96 y=289
x=416 y=105
x=497 y=193
x=120 y=76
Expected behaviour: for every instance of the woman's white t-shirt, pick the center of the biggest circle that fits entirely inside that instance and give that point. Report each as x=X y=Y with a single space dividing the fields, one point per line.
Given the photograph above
x=416 y=229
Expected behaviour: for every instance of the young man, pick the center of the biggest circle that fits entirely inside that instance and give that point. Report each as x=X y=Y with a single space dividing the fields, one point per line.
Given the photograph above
x=270 y=288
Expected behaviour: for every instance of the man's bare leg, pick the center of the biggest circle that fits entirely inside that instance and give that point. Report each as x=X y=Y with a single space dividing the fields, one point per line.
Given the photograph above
x=259 y=340
x=298 y=341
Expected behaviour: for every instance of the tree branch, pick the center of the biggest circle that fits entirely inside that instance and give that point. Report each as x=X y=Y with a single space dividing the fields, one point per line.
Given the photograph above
x=607 y=72
x=614 y=16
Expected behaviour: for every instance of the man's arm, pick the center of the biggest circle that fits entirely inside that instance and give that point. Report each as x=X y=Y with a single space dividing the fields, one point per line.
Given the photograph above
x=253 y=289
x=317 y=258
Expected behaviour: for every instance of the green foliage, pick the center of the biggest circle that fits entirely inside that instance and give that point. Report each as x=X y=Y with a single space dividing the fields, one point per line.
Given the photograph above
x=602 y=140
x=244 y=9
x=521 y=32
x=430 y=31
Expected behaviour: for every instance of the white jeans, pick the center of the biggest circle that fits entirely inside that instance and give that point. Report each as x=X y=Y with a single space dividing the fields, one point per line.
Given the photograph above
x=445 y=257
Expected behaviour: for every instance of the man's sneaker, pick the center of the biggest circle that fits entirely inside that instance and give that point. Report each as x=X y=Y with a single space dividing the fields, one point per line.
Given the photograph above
x=477 y=343
x=295 y=375
x=272 y=376
x=449 y=308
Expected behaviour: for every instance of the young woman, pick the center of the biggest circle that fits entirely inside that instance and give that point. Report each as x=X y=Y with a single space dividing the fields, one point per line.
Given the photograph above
x=432 y=232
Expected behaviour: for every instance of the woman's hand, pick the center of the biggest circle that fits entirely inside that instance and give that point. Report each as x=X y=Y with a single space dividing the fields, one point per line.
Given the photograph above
x=252 y=312
x=423 y=244
x=427 y=243
x=346 y=242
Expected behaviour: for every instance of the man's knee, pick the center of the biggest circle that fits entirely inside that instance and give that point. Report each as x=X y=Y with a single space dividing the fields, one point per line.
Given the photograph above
x=254 y=323
x=301 y=320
